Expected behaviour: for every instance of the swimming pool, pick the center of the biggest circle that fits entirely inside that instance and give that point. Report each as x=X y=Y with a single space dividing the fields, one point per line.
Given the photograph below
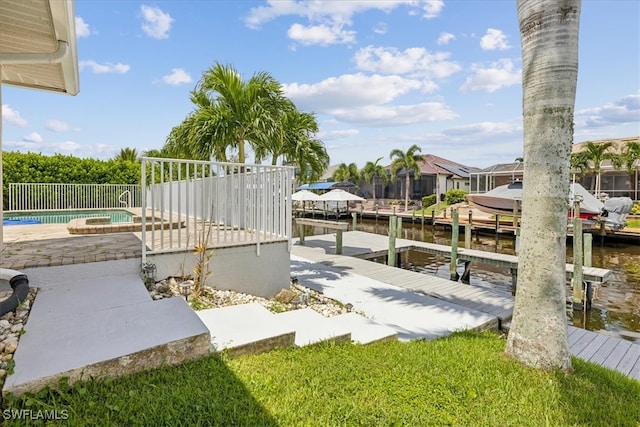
x=63 y=217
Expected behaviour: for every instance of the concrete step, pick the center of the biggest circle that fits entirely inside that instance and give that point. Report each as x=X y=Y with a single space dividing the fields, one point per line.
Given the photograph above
x=80 y=332
x=312 y=327
x=246 y=329
x=363 y=330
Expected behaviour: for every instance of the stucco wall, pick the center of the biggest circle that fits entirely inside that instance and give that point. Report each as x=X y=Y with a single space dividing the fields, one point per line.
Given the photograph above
x=236 y=268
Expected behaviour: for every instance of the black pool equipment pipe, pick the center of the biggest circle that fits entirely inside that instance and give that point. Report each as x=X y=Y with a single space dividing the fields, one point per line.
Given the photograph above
x=20 y=285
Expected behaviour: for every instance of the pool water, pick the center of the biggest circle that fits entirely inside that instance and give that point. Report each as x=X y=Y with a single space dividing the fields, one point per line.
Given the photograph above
x=63 y=217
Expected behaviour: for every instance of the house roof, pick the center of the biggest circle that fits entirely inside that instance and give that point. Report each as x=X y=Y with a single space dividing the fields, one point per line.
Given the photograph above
x=38 y=45
x=434 y=165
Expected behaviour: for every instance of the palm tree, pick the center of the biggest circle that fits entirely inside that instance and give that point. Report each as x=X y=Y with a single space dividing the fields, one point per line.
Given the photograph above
x=195 y=138
x=229 y=113
x=406 y=161
x=127 y=155
x=538 y=335
x=295 y=142
x=372 y=172
x=596 y=154
x=580 y=163
x=346 y=172
x=629 y=156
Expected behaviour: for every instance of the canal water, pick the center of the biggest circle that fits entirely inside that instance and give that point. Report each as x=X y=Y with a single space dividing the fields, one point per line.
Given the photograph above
x=616 y=304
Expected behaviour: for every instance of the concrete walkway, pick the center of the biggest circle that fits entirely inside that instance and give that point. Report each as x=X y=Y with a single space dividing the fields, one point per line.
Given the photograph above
x=98 y=320
x=412 y=315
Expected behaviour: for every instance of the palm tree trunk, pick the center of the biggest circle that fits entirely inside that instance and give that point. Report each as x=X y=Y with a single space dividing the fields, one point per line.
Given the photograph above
x=549 y=35
x=373 y=190
x=406 y=191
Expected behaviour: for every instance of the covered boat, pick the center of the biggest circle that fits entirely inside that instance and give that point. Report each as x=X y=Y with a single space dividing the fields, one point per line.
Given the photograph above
x=502 y=201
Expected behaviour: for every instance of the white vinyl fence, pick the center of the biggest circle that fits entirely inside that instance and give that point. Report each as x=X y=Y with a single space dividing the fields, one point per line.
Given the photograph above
x=189 y=202
x=40 y=196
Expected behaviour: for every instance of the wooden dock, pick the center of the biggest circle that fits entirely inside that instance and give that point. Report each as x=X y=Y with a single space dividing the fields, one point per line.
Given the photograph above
x=612 y=352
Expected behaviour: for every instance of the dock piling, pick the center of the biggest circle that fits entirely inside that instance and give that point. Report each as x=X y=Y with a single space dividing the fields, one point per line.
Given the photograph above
x=453 y=270
x=391 y=254
x=578 y=297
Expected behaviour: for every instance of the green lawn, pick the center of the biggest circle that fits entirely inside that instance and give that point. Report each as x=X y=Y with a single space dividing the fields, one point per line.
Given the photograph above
x=464 y=379
x=438 y=207
x=633 y=223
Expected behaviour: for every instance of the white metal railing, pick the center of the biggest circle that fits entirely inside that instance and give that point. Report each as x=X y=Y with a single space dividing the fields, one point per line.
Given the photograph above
x=58 y=196
x=126 y=202
x=189 y=201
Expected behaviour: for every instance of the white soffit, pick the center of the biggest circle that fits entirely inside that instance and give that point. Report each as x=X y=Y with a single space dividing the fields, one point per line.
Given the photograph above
x=38 y=45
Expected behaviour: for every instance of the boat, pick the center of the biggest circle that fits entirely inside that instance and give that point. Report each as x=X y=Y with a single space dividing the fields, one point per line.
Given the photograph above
x=504 y=200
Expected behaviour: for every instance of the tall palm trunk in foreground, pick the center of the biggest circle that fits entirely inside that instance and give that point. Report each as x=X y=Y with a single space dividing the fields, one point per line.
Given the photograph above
x=549 y=35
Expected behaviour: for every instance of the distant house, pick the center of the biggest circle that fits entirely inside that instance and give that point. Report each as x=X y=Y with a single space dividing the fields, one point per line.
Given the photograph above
x=437 y=176
x=614 y=182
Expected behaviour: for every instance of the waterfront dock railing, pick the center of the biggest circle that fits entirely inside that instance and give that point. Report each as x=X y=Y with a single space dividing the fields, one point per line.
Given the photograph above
x=60 y=196
x=215 y=203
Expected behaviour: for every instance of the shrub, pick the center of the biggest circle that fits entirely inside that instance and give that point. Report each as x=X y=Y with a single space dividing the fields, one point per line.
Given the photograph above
x=454 y=196
x=635 y=210
x=428 y=200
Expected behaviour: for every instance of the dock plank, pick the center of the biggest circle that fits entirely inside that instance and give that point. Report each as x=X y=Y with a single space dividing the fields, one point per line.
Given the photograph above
x=629 y=360
x=617 y=354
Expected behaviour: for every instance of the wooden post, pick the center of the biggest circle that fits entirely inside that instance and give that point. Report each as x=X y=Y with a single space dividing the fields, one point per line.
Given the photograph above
x=399 y=227
x=391 y=254
x=454 y=246
x=301 y=228
x=466 y=276
x=497 y=229
x=338 y=242
x=354 y=220
x=470 y=217
x=433 y=221
x=423 y=217
x=587 y=245
x=576 y=282
x=467 y=236
x=515 y=213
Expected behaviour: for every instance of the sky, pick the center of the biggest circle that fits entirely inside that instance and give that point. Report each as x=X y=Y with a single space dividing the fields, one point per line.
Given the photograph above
x=378 y=74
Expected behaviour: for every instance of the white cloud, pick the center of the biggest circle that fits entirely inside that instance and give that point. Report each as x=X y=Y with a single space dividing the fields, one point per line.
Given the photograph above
x=11 y=116
x=432 y=8
x=326 y=20
x=65 y=147
x=177 y=77
x=97 y=68
x=485 y=129
x=320 y=34
x=82 y=28
x=412 y=61
x=396 y=115
x=57 y=125
x=500 y=74
x=494 y=40
x=445 y=38
x=380 y=28
x=337 y=134
x=349 y=90
x=625 y=110
x=33 y=137
x=157 y=23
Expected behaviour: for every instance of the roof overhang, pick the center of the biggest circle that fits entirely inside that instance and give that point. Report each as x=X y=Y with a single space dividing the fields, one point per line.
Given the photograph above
x=38 y=45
